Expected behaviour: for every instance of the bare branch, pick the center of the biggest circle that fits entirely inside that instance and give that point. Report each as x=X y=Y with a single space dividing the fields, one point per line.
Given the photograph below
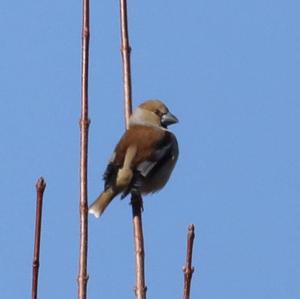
x=40 y=188
x=84 y=127
x=137 y=207
x=188 y=269
x=136 y=200
x=125 y=51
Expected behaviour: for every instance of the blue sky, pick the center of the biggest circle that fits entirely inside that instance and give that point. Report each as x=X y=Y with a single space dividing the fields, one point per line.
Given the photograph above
x=229 y=70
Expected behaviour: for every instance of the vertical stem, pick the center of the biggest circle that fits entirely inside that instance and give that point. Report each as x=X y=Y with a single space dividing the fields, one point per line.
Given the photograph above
x=136 y=203
x=125 y=51
x=40 y=188
x=136 y=200
x=84 y=126
x=188 y=270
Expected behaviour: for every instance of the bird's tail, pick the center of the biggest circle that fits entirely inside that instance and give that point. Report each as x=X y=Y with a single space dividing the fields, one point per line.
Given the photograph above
x=101 y=202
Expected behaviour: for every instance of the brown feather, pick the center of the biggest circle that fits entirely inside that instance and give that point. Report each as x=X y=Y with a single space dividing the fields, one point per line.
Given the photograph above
x=144 y=138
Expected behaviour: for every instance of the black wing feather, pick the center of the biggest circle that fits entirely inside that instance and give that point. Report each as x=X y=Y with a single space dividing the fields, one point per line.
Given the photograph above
x=110 y=175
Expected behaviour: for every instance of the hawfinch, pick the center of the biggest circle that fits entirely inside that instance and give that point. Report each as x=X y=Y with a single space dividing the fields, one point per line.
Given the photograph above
x=143 y=159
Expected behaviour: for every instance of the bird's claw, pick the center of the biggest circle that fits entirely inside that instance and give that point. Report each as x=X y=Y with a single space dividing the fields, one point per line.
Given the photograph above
x=137 y=200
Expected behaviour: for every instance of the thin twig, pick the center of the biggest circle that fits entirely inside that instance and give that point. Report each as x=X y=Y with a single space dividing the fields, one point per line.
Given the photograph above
x=40 y=188
x=137 y=203
x=125 y=51
x=84 y=128
x=136 y=200
x=188 y=269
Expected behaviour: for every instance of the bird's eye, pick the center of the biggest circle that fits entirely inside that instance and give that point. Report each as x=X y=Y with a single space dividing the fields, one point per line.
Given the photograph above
x=157 y=112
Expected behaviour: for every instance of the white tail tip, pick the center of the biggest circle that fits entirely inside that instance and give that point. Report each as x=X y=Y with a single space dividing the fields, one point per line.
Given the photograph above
x=94 y=212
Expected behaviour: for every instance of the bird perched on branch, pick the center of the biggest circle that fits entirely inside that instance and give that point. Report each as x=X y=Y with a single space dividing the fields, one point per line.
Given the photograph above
x=143 y=159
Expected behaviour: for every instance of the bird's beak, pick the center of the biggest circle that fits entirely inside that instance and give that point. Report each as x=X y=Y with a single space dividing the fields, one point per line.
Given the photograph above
x=168 y=119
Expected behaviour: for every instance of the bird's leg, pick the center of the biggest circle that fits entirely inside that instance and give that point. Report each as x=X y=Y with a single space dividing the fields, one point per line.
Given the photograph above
x=137 y=200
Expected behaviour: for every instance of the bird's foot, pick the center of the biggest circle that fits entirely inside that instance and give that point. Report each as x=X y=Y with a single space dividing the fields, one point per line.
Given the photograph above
x=137 y=201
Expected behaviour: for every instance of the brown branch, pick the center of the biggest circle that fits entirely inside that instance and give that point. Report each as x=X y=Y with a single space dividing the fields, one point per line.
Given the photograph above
x=188 y=269
x=125 y=51
x=40 y=188
x=136 y=200
x=137 y=206
x=84 y=128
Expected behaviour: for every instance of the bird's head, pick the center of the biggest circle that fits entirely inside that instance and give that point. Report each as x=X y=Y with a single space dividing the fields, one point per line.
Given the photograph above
x=152 y=113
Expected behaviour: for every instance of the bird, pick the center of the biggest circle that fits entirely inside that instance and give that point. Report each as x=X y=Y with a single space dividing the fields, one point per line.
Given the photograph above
x=144 y=157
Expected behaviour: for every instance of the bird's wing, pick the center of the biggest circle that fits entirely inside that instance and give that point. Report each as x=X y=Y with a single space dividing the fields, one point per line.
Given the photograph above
x=110 y=174
x=162 y=149
x=153 y=146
